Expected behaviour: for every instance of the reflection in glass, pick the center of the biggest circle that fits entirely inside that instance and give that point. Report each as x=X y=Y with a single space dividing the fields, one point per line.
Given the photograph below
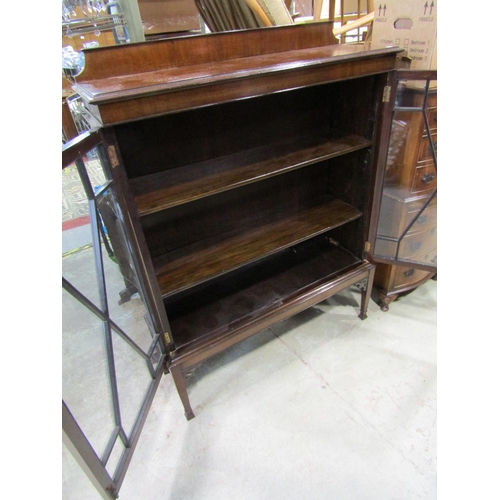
x=78 y=264
x=85 y=380
x=133 y=380
x=407 y=229
x=124 y=298
x=111 y=353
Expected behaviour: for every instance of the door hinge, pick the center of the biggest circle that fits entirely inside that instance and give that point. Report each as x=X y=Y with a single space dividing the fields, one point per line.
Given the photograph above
x=367 y=246
x=387 y=93
x=166 y=336
x=113 y=156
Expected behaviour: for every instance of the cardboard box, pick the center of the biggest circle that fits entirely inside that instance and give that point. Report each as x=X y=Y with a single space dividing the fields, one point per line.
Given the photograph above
x=411 y=25
x=168 y=16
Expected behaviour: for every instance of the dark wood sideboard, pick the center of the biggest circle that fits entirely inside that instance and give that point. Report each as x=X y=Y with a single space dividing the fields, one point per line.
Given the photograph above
x=248 y=170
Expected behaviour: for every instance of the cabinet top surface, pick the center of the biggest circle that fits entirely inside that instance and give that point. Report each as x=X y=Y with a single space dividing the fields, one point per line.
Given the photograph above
x=177 y=63
x=144 y=70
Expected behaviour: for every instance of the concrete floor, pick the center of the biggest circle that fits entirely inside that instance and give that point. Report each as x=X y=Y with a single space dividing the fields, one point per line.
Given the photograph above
x=320 y=406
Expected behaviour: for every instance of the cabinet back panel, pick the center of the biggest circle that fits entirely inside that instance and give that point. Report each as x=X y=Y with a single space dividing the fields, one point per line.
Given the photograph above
x=234 y=209
x=352 y=109
x=348 y=178
x=192 y=136
x=350 y=237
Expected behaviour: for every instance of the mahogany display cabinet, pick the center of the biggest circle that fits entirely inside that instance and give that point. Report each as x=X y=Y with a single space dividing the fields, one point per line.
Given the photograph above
x=247 y=169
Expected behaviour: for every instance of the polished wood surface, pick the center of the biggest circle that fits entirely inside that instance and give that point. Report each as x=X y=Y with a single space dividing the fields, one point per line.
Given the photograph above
x=154 y=78
x=216 y=48
x=206 y=259
x=169 y=188
x=393 y=281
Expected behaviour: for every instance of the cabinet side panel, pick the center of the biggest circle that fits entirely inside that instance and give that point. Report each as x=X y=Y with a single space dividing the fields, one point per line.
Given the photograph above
x=136 y=241
x=352 y=104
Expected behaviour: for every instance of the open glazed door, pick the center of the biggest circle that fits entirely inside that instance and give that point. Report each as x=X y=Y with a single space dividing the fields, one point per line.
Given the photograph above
x=407 y=224
x=113 y=344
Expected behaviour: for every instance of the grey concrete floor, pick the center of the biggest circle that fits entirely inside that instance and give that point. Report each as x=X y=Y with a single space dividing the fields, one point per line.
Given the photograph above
x=320 y=406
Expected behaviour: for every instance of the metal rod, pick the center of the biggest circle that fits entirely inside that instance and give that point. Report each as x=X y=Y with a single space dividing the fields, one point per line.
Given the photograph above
x=408 y=108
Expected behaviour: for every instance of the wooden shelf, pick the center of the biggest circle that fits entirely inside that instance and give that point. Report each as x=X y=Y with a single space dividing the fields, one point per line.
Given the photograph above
x=269 y=287
x=193 y=264
x=173 y=187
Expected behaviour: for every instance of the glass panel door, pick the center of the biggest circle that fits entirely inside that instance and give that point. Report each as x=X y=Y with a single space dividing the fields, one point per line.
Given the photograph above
x=113 y=356
x=407 y=228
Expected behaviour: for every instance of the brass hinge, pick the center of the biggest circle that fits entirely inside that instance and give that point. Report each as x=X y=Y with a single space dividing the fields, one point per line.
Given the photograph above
x=112 y=156
x=166 y=336
x=387 y=93
x=367 y=246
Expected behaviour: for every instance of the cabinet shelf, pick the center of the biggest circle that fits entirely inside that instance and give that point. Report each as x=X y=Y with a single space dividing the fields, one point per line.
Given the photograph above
x=159 y=191
x=195 y=263
x=290 y=280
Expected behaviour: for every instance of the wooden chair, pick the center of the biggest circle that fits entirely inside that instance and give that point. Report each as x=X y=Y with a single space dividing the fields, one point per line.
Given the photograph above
x=271 y=12
x=363 y=20
x=228 y=15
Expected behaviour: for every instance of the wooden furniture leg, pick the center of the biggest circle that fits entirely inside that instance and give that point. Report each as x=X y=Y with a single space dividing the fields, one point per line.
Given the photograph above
x=180 y=384
x=368 y=19
x=318 y=6
x=385 y=300
x=365 y=286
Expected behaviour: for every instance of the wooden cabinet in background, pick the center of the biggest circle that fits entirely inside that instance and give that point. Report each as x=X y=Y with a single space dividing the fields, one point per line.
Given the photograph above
x=406 y=244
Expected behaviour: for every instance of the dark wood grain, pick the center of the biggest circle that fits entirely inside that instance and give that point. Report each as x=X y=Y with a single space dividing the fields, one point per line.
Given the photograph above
x=154 y=78
x=198 y=262
x=236 y=85
x=173 y=187
x=108 y=62
x=123 y=87
x=79 y=146
x=182 y=139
